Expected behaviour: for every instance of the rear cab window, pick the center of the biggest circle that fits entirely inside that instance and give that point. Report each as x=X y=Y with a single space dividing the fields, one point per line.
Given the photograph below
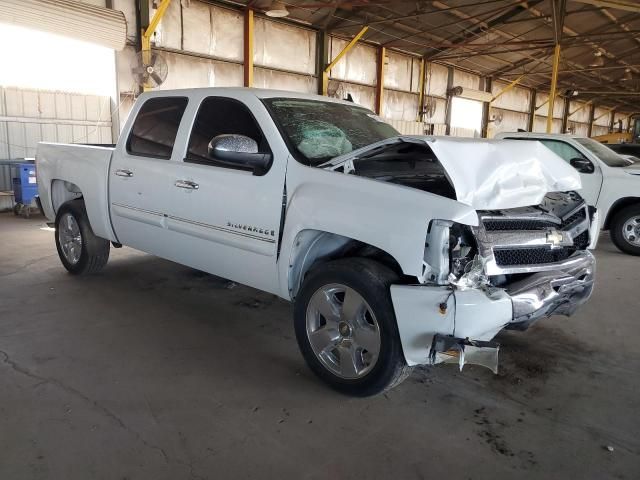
x=153 y=133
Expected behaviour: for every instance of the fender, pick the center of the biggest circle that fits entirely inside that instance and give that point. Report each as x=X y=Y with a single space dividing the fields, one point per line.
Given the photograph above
x=390 y=217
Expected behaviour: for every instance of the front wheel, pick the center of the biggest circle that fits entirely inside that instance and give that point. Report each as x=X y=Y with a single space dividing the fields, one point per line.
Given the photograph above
x=346 y=327
x=625 y=230
x=79 y=249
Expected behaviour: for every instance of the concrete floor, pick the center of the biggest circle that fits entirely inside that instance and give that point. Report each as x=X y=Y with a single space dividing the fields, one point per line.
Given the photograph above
x=151 y=370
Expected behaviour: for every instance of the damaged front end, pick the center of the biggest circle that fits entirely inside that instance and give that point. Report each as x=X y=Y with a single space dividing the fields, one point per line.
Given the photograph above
x=515 y=267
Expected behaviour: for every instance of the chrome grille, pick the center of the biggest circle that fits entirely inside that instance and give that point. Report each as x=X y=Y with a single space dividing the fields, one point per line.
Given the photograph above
x=526 y=239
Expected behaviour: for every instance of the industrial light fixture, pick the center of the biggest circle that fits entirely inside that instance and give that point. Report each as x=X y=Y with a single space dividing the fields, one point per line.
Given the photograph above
x=627 y=75
x=597 y=61
x=276 y=9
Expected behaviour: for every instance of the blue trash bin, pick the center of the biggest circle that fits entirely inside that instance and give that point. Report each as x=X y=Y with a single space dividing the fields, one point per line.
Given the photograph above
x=25 y=185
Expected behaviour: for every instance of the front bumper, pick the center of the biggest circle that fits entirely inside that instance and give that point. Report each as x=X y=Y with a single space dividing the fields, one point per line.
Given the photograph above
x=424 y=311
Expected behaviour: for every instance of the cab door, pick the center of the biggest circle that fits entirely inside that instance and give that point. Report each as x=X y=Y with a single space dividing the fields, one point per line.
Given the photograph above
x=142 y=175
x=224 y=219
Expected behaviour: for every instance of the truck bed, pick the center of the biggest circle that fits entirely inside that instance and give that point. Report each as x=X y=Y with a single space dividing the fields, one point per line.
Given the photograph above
x=67 y=171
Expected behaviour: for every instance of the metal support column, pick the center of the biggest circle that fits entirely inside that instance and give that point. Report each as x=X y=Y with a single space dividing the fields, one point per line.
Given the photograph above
x=612 y=118
x=592 y=111
x=380 y=80
x=248 y=48
x=554 y=84
x=421 y=83
x=447 y=119
x=322 y=60
x=565 y=114
x=532 y=109
x=486 y=109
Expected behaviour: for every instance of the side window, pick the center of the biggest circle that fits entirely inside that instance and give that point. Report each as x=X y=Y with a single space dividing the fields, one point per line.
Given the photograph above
x=221 y=116
x=154 y=130
x=562 y=149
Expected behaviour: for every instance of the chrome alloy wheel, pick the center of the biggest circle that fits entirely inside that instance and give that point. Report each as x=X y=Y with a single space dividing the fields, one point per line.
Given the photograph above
x=631 y=231
x=70 y=238
x=343 y=331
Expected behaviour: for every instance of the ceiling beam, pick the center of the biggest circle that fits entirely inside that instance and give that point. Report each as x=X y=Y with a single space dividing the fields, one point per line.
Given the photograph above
x=628 y=5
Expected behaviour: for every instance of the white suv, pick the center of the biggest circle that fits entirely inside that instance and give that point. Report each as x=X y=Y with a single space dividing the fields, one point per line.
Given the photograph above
x=610 y=183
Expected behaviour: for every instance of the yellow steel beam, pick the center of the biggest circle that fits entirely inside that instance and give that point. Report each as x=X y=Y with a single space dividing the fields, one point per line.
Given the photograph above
x=554 y=84
x=343 y=52
x=421 y=90
x=248 y=48
x=382 y=54
x=148 y=32
x=507 y=88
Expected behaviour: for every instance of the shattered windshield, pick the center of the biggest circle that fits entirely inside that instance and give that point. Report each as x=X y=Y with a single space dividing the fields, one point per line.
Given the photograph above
x=318 y=131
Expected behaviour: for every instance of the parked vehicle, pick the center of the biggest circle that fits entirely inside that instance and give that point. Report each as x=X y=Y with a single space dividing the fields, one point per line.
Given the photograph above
x=610 y=183
x=396 y=251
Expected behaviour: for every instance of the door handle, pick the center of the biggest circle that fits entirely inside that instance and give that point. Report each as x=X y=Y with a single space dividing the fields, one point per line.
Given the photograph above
x=188 y=184
x=124 y=173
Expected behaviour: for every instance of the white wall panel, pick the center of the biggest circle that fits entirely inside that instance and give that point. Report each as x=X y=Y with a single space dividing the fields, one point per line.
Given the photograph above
x=440 y=114
x=398 y=71
x=540 y=124
x=511 y=122
x=581 y=110
x=128 y=7
x=578 y=128
x=599 y=130
x=364 y=96
x=400 y=105
x=406 y=127
x=285 y=47
x=192 y=72
x=601 y=117
x=213 y=31
x=558 y=105
x=437 y=76
x=265 y=78
x=516 y=98
x=358 y=65
x=169 y=31
x=466 y=80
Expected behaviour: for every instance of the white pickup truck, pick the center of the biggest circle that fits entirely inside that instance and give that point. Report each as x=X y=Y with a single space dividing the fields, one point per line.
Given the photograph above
x=396 y=251
x=610 y=182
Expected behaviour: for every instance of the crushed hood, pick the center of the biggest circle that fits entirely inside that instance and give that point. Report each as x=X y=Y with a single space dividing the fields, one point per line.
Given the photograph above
x=488 y=174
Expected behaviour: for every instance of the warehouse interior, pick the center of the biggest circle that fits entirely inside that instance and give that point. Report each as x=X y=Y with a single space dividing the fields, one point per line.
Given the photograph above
x=151 y=369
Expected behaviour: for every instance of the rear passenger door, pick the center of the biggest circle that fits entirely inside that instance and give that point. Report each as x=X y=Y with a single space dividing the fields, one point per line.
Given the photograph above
x=142 y=175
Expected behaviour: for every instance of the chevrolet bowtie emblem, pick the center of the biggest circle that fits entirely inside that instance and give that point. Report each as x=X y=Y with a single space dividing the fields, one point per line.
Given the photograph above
x=555 y=238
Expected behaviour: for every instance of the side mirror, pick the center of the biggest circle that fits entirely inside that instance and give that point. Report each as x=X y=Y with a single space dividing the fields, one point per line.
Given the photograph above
x=582 y=165
x=240 y=151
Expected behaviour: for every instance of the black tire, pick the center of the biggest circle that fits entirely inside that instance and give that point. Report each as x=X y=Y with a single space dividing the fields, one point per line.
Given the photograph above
x=371 y=280
x=616 y=229
x=95 y=250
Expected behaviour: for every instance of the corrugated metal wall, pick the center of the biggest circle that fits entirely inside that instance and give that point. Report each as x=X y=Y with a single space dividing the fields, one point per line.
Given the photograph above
x=30 y=116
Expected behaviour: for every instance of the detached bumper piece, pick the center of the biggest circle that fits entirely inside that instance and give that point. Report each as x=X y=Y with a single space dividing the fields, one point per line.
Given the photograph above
x=448 y=349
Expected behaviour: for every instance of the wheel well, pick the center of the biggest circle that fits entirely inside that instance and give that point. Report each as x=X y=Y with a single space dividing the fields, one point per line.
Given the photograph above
x=313 y=247
x=617 y=206
x=63 y=191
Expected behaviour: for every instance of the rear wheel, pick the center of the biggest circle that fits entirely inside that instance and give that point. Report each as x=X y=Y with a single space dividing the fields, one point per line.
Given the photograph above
x=346 y=327
x=80 y=251
x=625 y=230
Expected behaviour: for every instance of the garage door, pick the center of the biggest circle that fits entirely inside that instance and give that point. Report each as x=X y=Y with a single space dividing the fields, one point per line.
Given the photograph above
x=70 y=18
